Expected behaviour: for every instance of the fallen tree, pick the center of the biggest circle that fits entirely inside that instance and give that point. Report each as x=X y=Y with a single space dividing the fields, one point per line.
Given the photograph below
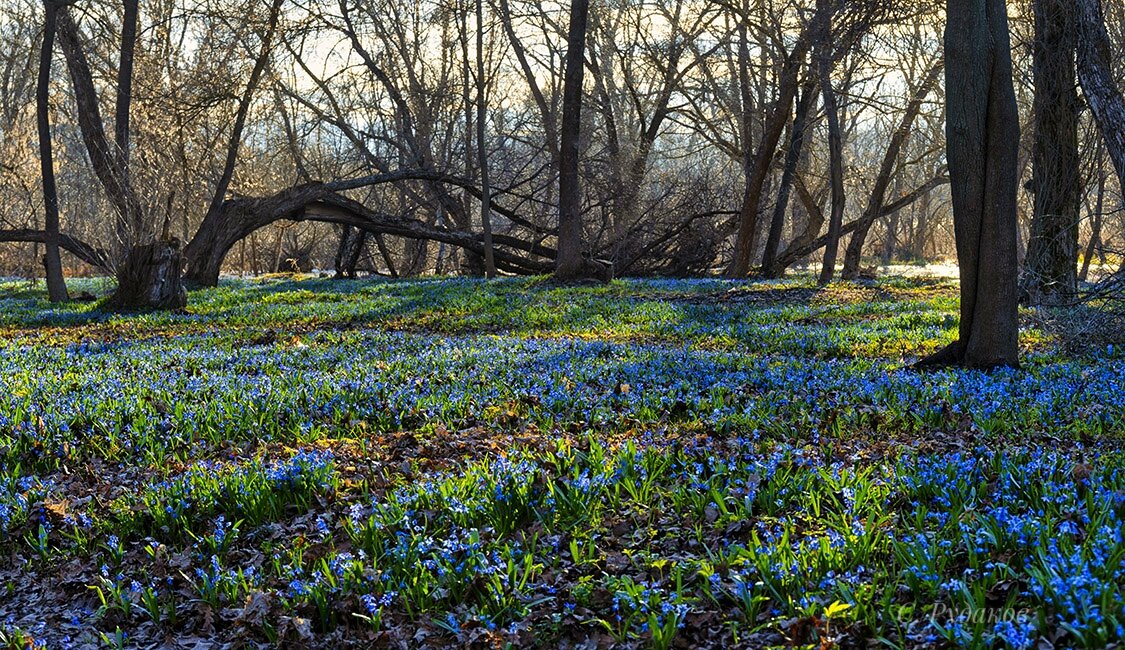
x=91 y=255
x=236 y=218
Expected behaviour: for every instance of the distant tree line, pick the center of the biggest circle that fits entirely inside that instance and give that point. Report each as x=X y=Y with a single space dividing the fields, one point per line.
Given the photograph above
x=146 y=137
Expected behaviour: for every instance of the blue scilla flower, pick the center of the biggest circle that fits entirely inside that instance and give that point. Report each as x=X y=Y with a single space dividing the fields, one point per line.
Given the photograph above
x=1019 y=635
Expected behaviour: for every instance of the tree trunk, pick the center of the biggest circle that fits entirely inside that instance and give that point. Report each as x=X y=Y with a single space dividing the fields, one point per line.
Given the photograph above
x=1095 y=72
x=105 y=157
x=836 y=155
x=792 y=158
x=890 y=239
x=1097 y=218
x=352 y=243
x=137 y=230
x=1051 y=265
x=52 y=260
x=148 y=272
x=355 y=253
x=570 y=264
x=747 y=238
x=982 y=140
x=482 y=149
x=151 y=278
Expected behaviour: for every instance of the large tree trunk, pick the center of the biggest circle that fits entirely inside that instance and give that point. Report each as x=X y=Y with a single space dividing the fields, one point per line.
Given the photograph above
x=1050 y=273
x=982 y=134
x=1095 y=72
x=573 y=262
x=56 y=284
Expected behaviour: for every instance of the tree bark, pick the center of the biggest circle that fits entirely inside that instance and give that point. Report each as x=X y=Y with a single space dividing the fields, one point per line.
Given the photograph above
x=1095 y=72
x=56 y=284
x=482 y=149
x=1050 y=272
x=570 y=264
x=151 y=278
x=836 y=163
x=125 y=80
x=982 y=140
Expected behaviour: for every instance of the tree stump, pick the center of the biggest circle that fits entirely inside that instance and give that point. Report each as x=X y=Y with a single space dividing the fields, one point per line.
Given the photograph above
x=150 y=278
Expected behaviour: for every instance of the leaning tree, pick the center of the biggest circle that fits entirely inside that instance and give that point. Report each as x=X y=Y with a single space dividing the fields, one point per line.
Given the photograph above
x=1095 y=71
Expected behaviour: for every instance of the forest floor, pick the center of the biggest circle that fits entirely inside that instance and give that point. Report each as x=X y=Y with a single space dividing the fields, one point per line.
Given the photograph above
x=437 y=463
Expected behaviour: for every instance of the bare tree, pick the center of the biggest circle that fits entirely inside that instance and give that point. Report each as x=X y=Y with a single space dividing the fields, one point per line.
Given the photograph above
x=56 y=284
x=570 y=264
x=877 y=199
x=482 y=147
x=148 y=272
x=759 y=163
x=835 y=145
